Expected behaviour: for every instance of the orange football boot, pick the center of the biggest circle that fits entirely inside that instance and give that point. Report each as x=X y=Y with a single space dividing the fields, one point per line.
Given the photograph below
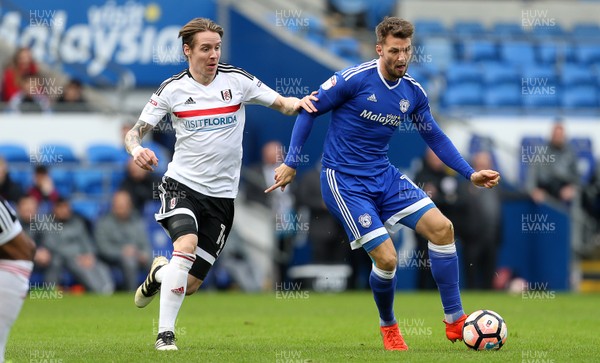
x=454 y=331
x=392 y=339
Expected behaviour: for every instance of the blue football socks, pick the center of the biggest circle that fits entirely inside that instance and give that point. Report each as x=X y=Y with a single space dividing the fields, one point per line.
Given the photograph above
x=444 y=268
x=383 y=284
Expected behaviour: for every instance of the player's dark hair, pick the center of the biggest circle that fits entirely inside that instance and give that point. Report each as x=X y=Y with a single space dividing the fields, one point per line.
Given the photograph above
x=398 y=28
x=198 y=25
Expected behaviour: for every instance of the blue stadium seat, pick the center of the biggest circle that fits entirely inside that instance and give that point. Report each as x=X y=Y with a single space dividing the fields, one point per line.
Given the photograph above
x=439 y=49
x=463 y=72
x=56 y=154
x=117 y=176
x=536 y=100
x=163 y=155
x=22 y=176
x=429 y=27
x=544 y=73
x=14 y=153
x=316 y=31
x=161 y=244
x=586 y=162
x=548 y=31
x=547 y=52
x=508 y=29
x=506 y=95
x=469 y=28
x=106 y=153
x=552 y=52
x=346 y=47
x=517 y=52
x=539 y=87
x=500 y=73
x=377 y=10
x=91 y=209
x=465 y=94
x=585 y=96
x=575 y=75
x=63 y=180
x=588 y=53
x=480 y=50
x=585 y=31
x=90 y=182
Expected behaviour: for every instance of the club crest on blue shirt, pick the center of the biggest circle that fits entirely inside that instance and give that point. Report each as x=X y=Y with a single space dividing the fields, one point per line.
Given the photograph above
x=365 y=220
x=404 y=105
x=226 y=95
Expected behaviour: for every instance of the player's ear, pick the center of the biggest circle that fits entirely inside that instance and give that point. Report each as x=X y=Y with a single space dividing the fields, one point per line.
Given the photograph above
x=379 y=49
x=186 y=50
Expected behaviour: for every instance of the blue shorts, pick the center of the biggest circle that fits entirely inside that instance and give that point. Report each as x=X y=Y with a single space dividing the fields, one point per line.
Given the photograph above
x=368 y=207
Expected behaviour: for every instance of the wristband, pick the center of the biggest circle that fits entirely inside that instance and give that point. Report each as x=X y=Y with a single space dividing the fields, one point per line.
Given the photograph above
x=136 y=150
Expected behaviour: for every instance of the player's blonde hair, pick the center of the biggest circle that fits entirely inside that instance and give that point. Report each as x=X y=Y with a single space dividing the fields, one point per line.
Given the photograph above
x=398 y=28
x=198 y=25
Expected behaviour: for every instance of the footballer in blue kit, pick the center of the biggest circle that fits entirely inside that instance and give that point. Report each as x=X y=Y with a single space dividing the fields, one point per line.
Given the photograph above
x=367 y=194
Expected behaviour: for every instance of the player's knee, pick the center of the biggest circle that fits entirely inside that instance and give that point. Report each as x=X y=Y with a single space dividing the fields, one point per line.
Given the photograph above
x=186 y=243
x=387 y=262
x=182 y=229
x=443 y=233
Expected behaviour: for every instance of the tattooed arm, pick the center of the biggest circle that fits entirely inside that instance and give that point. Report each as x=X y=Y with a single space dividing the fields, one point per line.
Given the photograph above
x=143 y=157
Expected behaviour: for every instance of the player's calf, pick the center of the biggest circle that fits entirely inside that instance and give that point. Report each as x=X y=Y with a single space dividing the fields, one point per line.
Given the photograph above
x=193 y=284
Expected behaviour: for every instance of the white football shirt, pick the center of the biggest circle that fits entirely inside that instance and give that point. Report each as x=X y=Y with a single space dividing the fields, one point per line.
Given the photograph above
x=209 y=125
x=9 y=225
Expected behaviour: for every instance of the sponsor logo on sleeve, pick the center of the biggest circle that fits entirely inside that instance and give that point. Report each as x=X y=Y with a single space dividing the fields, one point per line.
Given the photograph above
x=329 y=83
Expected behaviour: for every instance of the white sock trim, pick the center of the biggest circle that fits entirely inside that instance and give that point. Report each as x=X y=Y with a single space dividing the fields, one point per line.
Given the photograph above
x=445 y=249
x=388 y=275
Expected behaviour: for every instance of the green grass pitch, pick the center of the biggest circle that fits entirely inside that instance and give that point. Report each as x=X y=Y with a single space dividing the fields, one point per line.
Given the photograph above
x=304 y=326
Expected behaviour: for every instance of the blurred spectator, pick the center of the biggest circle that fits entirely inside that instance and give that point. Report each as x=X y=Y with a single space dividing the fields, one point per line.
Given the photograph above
x=328 y=241
x=591 y=196
x=10 y=190
x=258 y=178
x=72 y=98
x=482 y=227
x=122 y=240
x=43 y=189
x=32 y=96
x=34 y=226
x=554 y=170
x=22 y=66
x=442 y=186
x=141 y=185
x=325 y=234
x=72 y=92
x=72 y=248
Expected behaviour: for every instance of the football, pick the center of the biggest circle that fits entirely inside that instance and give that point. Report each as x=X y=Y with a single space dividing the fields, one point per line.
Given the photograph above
x=485 y=330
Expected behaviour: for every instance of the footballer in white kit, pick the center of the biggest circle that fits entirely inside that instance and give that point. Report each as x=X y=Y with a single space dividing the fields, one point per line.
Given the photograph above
x=207 y=107
x=16 y=262
x=209 y=126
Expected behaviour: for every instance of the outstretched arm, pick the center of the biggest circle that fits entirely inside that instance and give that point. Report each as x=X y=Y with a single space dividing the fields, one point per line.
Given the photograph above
x=285 y=173
x=441 y=145
x=143 y=157
x=292 y=105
